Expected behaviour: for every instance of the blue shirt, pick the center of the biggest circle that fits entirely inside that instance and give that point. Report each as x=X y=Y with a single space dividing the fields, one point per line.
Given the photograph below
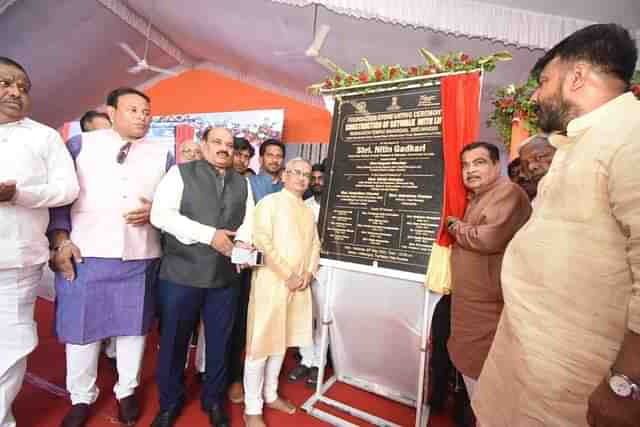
x=262 y=185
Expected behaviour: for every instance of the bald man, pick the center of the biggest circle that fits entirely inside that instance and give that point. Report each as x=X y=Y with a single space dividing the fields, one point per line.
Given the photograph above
x=189 y=151
x=201 y=206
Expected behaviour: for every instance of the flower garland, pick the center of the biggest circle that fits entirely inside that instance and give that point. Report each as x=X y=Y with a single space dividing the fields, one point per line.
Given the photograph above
x=515 y=102
x=451 y=62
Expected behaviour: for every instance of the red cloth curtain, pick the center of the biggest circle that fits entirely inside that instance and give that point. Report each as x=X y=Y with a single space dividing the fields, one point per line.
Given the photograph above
x=460 y=126
x=183 y=133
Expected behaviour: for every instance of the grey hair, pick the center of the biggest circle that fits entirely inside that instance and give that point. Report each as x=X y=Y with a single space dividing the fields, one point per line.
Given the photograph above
x=541 y=137
x=296 y=160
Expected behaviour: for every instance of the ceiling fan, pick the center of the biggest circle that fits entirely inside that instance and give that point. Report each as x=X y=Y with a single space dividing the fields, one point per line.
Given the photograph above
x=313 y=51
x=141 y=63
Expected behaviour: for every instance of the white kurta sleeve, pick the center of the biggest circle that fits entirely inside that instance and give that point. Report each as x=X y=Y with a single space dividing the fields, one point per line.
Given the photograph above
x=61 y=187
x=245 y=231
x=165 y=212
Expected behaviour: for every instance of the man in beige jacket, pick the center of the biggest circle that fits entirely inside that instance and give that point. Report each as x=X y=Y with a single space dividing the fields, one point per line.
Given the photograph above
x=280 y=309
x=567 y=349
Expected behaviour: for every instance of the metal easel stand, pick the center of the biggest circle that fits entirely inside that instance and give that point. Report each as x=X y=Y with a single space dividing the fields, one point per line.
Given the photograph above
x=422 y=408
x=323 y=387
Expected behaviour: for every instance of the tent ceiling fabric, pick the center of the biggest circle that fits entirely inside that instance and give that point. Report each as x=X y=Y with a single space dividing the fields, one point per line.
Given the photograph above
x=71 y=51
x=524 y=23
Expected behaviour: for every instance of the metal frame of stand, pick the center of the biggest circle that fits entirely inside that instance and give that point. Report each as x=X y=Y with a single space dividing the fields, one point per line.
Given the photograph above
x=322 y=387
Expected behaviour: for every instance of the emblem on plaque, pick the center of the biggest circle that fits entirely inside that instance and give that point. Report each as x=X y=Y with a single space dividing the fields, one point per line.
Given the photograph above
x=394 y=104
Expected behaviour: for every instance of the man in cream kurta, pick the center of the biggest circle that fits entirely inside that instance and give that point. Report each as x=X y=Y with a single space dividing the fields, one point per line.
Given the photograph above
x=36 y=173
x=571 y=275
x=280 y=309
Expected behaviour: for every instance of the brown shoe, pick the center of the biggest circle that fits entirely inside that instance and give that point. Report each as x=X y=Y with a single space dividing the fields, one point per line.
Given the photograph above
x=128 y=410
x=236 y=393
x=77 y=416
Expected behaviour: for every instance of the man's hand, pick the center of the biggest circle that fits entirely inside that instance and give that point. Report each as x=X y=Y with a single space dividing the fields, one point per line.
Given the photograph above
x=7 y=190
x=608 y=410
x=294 y=282
x=65 y=258
x=222 y=242
x=307 y=279
x=140 y=216
x=243 y=245
x=451 y=221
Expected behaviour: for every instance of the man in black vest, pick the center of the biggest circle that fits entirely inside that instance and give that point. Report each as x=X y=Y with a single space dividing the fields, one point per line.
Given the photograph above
x=201 y=206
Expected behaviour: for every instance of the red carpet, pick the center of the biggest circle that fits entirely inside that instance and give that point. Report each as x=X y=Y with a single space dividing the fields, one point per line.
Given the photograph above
x=38 y=405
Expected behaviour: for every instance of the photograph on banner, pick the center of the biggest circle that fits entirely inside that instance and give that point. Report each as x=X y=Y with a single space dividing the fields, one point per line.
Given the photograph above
x=256 y=126
x=384 y=197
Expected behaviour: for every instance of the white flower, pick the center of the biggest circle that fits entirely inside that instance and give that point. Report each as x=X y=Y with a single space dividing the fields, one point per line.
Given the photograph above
x=511 y=89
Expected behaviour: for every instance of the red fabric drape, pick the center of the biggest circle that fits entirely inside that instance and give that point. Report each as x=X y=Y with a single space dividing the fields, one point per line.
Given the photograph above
x=460 y=126
x=183 y=133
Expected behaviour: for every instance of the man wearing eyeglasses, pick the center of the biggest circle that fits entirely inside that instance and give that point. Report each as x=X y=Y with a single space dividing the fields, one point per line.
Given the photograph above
x=106 y=253
x=190 y=151
x=280 y=310
x=202 y=207
x=36 y=172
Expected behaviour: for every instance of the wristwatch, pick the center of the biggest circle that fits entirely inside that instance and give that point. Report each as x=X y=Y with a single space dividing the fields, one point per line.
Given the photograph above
x=623 y=386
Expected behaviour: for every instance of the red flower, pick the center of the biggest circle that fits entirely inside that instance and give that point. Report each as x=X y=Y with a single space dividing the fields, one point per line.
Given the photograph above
x=338 y=78
x=328 y=84
x=363 y=77
x=393 y=72
x=449 y=63
x=506 y=103
x=348 y=80
x=379 y=75
x=413 y=71
x=464 y=58
x=636 y=90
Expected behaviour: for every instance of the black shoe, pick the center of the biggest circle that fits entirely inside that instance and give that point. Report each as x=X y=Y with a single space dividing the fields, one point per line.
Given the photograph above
x=298 y=373
x=77 y=416
x=218 y=416
x=312 y=379
x=128 y=410
x=167 y=418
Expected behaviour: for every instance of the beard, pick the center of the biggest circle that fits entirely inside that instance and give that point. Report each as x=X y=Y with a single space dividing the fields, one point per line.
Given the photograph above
x=554 y=114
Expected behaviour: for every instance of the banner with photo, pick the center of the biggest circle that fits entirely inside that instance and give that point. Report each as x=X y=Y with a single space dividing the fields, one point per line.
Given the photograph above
x=256 y=126
x=173 y=130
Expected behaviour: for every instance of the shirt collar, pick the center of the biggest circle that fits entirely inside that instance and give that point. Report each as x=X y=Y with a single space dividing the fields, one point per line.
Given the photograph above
x=12 y=124
x=614 y=107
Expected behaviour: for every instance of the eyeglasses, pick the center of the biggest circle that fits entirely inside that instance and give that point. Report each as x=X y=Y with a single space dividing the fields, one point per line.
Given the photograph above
x=298 y=173
x=123 y=153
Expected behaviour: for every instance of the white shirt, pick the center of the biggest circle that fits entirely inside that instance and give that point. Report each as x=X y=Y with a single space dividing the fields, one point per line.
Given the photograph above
x=313 y=204
x=165 y=213
x=34 y=156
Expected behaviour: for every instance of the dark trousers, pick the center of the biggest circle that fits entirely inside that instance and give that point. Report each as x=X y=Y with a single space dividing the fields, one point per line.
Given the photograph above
x=238 y=338
x=441 y=366
x=180 y=308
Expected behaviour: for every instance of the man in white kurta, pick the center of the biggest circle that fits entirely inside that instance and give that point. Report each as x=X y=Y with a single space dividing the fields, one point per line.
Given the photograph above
x=280 y=310
x=36 y=172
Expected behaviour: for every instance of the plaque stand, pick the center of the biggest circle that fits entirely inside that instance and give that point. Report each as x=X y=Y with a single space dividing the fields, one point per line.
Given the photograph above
x=322 y=387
